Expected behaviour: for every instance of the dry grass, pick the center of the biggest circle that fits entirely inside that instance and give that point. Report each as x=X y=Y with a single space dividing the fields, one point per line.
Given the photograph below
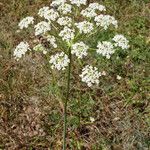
x=31 y=107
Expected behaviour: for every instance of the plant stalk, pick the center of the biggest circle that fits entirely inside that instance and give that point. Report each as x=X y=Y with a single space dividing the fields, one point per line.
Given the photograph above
x=66 y=101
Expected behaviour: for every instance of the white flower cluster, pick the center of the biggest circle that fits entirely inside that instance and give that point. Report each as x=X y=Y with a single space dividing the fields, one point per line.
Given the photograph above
x=121 y=41
x=42 y=28
x=105 y=49
x=59 y=61
x=105 y=21
x=84 y=27
x=90 y=75
x=43 y=11
x=20 y=50
x=41 y=48
x=57 y=2
x=78 y=2
x=52 y=40
x=67 y=34
x=49 y=14
x=79 y=49
x=65 y=8
x=24 y=23
x=65 y=21
x=97 y=6
x=90 y=11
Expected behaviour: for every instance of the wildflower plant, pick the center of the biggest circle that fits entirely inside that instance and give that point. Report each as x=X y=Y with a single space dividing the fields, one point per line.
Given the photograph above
x=72 y=23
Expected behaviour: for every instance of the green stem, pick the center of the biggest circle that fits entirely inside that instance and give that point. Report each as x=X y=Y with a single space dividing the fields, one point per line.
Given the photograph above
x=66 y=101
x=79 y=105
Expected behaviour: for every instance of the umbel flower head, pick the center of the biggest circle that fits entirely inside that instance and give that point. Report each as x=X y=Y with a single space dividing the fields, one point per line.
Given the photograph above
x=43 y=11
x=59 y=61
x=90 y=75
x=121 y=41
x=97 y=6
x=105 y=21
x=67 y=34
x=85 y=27
x=57 y=3
x=49 y=14
x=65 y=21
x=79 y=49
x=42 y=28
x=90 y=11
x=105 y=49
x=78 y=2
x=24 y=23
x=65 y=8
x=21 y=49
